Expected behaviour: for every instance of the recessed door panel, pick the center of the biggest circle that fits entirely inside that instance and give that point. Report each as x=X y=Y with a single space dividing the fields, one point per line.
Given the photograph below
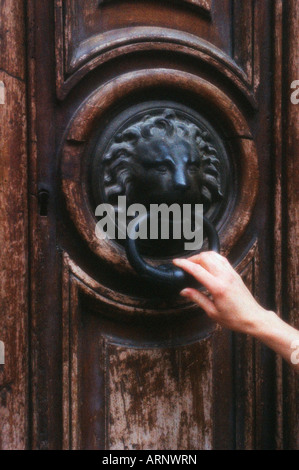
x=117 y=88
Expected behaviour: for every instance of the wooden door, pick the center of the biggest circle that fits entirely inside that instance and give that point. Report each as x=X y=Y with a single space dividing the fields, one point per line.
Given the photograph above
x=95 y=358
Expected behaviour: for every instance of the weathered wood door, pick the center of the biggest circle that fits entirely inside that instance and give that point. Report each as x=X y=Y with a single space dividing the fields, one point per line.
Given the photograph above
x=95 y=358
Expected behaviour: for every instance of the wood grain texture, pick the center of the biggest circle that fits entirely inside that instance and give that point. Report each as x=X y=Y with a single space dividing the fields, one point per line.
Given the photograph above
x=13 y=233
x=90 y=35
x=248 y=20
x=94 y=333
x=204 y=4
x=121 y=397
x=13 y=57
x=45 y=301
x=285 y=125
x=243 y=28
x=246 y=386
x=114 y=44
x=123 y=390
x=75 y=154
x=278 y=145
x=159 y=399
x=290 y=240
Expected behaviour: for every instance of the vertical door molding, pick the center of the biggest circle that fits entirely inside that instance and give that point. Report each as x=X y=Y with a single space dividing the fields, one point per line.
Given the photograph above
x=83 y=352
x=13 y=235
x=286 y=229
x=290 y=208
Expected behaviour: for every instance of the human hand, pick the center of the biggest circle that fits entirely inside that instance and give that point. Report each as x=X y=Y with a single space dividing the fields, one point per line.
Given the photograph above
x=231 y=304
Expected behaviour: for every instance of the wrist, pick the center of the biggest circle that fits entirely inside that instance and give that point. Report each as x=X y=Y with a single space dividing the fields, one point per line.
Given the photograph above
x=262 y=321
x=265 y=321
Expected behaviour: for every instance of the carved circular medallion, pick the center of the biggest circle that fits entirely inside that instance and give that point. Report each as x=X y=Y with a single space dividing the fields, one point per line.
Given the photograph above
x=111 y=147
x=162 y=153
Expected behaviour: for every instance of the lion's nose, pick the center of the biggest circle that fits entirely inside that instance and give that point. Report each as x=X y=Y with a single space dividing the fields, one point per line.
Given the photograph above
x=181 y=181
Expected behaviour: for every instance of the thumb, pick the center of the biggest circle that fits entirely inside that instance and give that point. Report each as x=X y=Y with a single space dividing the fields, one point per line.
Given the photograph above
x=200 y=299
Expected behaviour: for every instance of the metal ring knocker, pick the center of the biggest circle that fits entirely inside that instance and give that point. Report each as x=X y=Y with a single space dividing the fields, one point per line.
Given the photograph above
x=167 y=274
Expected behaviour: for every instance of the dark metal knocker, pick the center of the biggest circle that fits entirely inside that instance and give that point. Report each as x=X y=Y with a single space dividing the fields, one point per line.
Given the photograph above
x=167 y=274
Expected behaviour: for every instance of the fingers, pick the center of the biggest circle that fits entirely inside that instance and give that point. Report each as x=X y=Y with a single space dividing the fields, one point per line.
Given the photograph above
x=212 y=262
x=200 y=299
x=211 y=254
x=197 y=271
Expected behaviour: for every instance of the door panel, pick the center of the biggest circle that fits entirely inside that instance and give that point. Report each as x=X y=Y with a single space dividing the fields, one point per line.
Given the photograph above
x=14 y=231
x=139 y=370
x=115 y=362
x=147 y=384
x=146 y=379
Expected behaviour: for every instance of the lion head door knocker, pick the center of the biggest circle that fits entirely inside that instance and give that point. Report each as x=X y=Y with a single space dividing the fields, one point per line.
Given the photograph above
x=162 y=154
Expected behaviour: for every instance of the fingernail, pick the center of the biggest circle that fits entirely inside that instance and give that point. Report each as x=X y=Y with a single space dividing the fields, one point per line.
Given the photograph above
x=184 y=293
x=177 y=261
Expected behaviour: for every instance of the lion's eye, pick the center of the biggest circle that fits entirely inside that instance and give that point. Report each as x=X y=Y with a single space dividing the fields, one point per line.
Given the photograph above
x=162 y=168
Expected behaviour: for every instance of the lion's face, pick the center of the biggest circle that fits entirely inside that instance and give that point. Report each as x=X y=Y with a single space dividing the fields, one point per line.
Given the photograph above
x=162 y=160
x=166 y=171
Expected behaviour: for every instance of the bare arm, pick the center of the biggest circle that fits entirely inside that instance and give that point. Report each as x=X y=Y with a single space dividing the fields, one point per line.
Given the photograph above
x=233 y=306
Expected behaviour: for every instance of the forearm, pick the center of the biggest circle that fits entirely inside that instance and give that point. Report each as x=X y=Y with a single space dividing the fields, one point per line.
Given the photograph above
x=279 y=336
x=232 y=305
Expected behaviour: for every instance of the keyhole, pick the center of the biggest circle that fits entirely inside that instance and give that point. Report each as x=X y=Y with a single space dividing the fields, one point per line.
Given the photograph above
x=43 y=201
